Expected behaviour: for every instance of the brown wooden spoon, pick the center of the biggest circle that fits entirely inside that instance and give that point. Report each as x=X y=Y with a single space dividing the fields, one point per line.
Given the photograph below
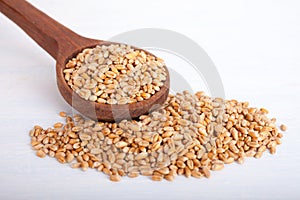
x=63 y=44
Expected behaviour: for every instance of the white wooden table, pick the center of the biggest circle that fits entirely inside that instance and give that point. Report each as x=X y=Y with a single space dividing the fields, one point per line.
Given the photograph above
x=254 y=44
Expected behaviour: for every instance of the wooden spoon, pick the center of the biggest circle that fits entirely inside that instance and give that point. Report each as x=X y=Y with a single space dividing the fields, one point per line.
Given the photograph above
x=63 y=44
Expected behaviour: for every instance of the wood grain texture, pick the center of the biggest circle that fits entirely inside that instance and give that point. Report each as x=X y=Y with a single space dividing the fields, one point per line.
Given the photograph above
x=62 y=44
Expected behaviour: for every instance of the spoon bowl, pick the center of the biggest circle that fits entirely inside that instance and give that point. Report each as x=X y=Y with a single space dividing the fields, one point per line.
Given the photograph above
x=63 y=44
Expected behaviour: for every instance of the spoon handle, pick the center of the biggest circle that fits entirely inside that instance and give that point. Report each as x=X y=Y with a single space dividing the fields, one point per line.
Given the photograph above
x=48 y=33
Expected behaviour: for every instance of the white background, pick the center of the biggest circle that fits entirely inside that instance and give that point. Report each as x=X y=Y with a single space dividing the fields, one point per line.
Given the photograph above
x=255 y=46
